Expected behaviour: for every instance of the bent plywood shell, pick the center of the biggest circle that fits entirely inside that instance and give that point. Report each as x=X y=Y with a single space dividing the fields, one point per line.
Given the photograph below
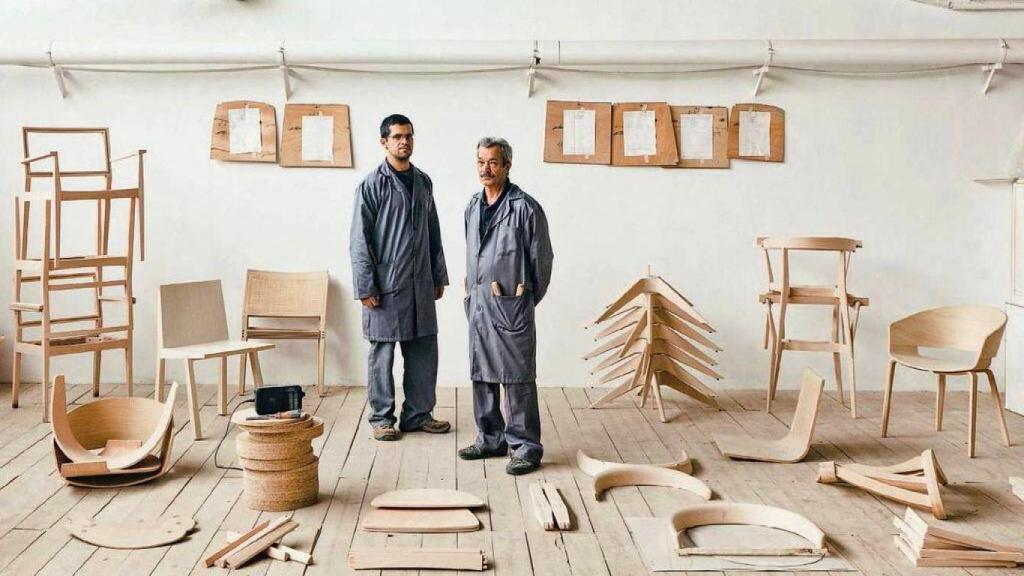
x=611 y=474
x=715 y=513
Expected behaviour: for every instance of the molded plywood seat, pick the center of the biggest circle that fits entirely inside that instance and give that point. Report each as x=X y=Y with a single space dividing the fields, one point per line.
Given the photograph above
x=973 y=331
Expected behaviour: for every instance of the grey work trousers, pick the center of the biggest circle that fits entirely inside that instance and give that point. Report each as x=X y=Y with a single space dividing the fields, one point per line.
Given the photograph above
x=419 y=381
x=519 y=430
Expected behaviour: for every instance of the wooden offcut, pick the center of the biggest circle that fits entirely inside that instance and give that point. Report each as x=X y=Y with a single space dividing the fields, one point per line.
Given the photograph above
x=426 y=521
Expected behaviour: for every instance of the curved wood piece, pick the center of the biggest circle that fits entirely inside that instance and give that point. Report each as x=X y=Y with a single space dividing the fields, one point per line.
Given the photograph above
x=426 y=498
x=131 y=535
x=716 y=513
x=612 y=474
x=420 y=521
x=797 y=442
x=109 y=419
x=881 y=484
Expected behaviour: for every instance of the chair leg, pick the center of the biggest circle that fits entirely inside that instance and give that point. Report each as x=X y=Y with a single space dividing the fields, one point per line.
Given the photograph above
x=773 y=376
x=16 y=379
x=837 y=361
x=222 y=387
x=972 y=417
x=241 y=372
x=887 y=398
x=848 y=337
x=940 y=402
x=129 y=376
x=321 y=356
x=161 y=374
x=97 y=364
x=994 y=390
x=193 y=399
x=46 y=387
x=257 y=373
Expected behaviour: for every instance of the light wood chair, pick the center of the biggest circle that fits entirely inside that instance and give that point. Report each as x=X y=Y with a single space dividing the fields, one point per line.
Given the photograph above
x=43 y=325
x=191 y=326
x=974 y=330
x=845 y=308
x=300 y=296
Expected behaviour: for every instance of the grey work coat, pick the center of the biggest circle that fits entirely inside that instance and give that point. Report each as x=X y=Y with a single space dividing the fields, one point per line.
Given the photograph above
x=396 y=253
x=515 y=249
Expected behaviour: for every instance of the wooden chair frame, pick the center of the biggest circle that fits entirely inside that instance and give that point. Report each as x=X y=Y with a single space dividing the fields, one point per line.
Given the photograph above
x=55 y=271
x=845 y=309
x=289 y=296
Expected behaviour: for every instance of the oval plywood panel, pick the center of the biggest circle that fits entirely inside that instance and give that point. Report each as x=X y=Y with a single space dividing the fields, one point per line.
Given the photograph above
x=426 y=498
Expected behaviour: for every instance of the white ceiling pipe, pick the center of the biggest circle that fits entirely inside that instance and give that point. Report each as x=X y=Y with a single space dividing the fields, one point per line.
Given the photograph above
x=850 y=53
x=788 y=52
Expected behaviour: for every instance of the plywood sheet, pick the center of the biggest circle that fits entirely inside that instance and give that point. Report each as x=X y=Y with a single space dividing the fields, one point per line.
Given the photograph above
x=220 y=140
x=719 y=153
x=664 y=153
x=776 y=136
x=555 y=134
x=292 y=139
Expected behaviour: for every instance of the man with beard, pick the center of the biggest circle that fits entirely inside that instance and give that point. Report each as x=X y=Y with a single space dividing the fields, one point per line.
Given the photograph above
x=508 y=268
x=398 y=272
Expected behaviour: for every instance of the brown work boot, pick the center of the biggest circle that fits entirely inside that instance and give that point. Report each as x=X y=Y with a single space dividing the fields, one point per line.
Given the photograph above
x=432 y=426
x=386 y=433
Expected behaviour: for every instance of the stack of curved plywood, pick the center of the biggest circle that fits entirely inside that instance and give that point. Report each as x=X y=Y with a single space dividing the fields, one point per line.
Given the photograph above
x=653 y=337
x=112 y=442
x=280 y=471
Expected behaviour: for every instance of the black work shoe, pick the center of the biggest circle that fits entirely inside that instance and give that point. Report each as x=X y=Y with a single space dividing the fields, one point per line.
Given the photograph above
x=519 y=466
x=386 y=433
x=432 y=426
x=475 y=452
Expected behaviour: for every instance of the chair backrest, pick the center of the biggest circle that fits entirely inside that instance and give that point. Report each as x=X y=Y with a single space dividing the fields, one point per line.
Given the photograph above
x=191 y=313
x=844 y=247
x=285 y=294
x=977 y=329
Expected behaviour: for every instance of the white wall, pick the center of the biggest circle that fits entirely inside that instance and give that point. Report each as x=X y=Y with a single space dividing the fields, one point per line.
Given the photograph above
x=889 y=161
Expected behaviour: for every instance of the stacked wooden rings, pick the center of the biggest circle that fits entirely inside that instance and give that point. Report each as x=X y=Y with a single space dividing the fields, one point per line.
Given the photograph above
x=279 y=468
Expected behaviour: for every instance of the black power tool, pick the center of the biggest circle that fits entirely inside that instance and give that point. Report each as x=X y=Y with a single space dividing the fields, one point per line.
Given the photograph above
x=275 y=399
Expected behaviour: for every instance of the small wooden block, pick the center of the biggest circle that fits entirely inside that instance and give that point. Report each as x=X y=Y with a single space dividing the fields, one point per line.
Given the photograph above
x=418 y=558
x=281 y=552
x=257 y=544
x=420 y=521
x=426 y=498
x=561 y=513
x=541 y=507
x=235 y=543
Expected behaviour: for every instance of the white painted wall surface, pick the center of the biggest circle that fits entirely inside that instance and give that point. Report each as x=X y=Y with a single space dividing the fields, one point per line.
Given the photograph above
x=886 y=160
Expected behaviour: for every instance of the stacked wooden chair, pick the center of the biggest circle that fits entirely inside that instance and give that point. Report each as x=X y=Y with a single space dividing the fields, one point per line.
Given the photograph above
x=783 y=292
x=73 y=172
x=297 y=297
x=652 y=336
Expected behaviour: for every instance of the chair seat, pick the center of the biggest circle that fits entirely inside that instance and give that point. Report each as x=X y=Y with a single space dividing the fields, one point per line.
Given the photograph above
x=800 y=297
x=215 y=349
x=932 y=364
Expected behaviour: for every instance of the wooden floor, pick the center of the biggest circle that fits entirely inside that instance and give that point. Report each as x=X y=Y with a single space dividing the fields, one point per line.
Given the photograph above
x=354 y=469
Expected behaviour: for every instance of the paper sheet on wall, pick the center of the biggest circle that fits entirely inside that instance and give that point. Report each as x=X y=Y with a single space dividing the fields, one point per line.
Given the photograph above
x=696 y=136
x=638 y=133
x=244 y=135
x=578 y=129
x=318 y=138
x=755 y=132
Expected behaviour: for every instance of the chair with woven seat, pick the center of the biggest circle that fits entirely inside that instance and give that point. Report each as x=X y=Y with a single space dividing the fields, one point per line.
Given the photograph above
x=292 y=296
x=192 y=326
x=974 y=331
x=845 y=308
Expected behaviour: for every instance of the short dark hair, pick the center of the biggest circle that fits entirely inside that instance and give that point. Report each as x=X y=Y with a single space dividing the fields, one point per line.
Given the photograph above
x=393 y=120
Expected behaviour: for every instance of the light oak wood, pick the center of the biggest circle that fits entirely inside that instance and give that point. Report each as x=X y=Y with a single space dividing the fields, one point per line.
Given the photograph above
x=553 y=132
x=563 y=520
x=881 y=483
x=541 y=507
x=974 y=331
x=776 y=135
x=192 y=325
x=131 y=535
x=426 y=498
x=783 y=292
x=281 y=552
x=719 y=136
x=926 y=545
x=1017 y=487
x=299 y=298
x=796 y=444
x=719 y=513
x=666 y=153
x=423 y=521
x=611 y=474
x=398 y=558
x=650 y=333
x=234 y=544
x=257 y=544
x=219 y=138
x=291 y=140
x=50 y=269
